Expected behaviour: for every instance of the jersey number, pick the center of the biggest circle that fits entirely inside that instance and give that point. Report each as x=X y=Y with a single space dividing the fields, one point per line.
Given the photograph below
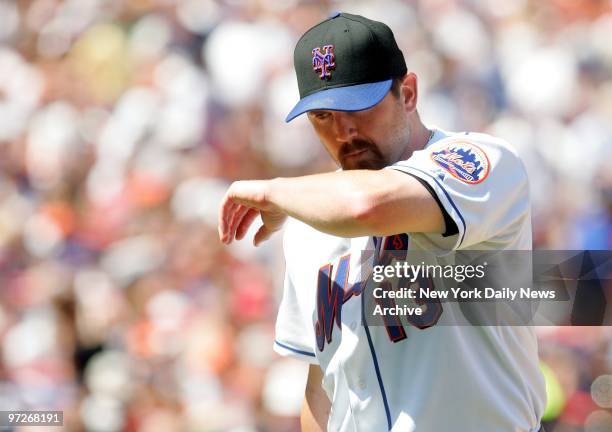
x=334 y=291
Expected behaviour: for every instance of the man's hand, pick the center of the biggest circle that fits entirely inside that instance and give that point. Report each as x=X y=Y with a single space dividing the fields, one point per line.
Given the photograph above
x=243 y=202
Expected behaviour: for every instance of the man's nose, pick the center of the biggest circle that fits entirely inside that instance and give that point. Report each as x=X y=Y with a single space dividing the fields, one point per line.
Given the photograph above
x=345 y=126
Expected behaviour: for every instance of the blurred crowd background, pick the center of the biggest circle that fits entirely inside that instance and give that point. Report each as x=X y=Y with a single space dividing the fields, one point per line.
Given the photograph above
x=122 y=122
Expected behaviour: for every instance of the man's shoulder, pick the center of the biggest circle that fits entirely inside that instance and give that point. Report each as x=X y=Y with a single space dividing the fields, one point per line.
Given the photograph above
x=461 y=151
x=482 y=140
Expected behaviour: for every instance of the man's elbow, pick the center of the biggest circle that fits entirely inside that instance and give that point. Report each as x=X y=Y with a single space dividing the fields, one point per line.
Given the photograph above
x=361 y=207
x=367 y=212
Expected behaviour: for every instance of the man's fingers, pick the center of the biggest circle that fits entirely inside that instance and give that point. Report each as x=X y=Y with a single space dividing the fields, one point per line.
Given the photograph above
x=262 y=235
x=227 y=212
x=247 y=220
x=221 y=220
x=224 y=210
x=235 y=219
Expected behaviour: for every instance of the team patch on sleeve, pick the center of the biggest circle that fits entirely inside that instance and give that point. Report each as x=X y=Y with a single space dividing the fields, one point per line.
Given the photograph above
x=464 y=161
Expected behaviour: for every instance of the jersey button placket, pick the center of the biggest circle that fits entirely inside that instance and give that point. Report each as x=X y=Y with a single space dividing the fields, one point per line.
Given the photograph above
x=351 y=316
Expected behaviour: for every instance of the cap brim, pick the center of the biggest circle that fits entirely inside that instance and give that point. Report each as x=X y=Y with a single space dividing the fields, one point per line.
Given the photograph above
x=351 y=98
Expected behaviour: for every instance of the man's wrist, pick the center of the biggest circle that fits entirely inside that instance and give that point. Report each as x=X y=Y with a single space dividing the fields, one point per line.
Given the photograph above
x=273 y=192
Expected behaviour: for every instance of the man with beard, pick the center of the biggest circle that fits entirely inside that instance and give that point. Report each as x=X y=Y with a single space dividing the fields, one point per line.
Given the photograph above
x=402 y=186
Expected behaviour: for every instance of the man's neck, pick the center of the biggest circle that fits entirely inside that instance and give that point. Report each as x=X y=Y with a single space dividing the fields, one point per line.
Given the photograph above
x=419 y=138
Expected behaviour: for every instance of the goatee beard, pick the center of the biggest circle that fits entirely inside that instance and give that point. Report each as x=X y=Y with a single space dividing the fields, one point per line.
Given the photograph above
x=371 y=159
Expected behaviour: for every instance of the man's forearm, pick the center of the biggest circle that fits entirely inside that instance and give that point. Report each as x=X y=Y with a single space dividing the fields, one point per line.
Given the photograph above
x=316 y=405
x=358 y=203
x=337 y=203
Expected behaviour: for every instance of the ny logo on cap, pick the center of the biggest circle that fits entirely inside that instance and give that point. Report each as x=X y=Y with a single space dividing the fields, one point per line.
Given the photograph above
x=323 y=63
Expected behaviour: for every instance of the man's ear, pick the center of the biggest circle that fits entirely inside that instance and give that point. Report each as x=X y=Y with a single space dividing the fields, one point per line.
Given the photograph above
x=409 y=92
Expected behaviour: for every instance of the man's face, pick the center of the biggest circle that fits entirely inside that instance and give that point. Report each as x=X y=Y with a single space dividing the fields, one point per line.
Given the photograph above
x=368 y=139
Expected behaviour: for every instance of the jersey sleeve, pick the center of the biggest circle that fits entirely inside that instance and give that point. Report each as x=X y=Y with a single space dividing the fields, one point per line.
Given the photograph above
x=294 y=335
x=481 y=184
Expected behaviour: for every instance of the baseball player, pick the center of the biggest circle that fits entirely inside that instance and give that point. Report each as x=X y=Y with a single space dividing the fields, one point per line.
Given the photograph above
x=401 y=186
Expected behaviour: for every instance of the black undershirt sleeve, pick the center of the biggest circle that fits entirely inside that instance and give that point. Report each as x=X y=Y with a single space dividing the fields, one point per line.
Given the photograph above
x=451 y=226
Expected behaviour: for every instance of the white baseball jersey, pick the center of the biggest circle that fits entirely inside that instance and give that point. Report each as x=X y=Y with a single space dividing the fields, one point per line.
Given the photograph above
x=438 y=378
